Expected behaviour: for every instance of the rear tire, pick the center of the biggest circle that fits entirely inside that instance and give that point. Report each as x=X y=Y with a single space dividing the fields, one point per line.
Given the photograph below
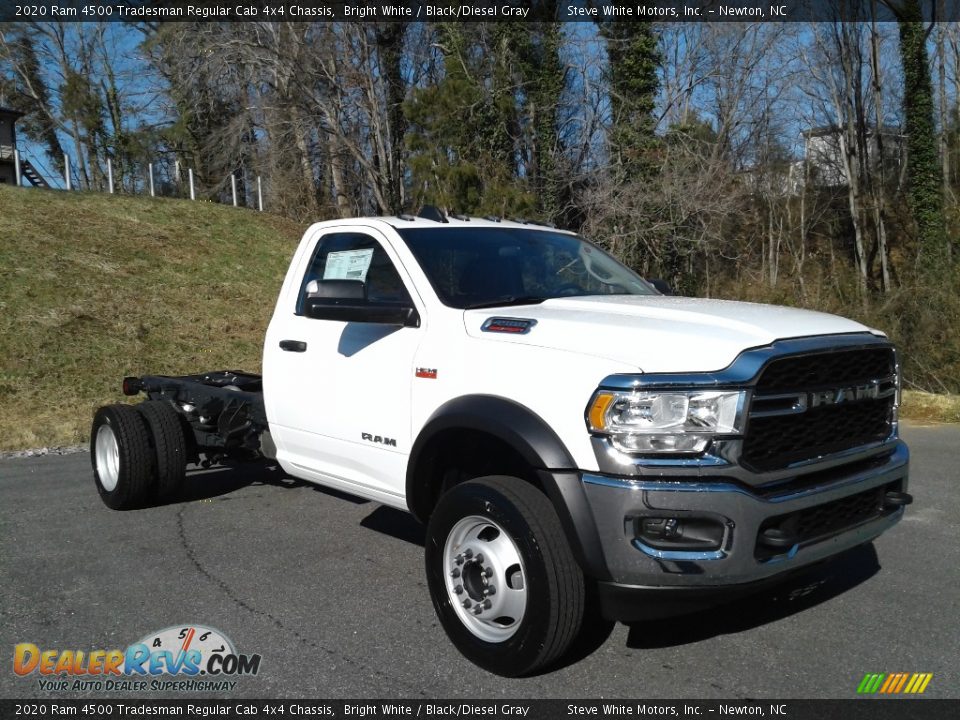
x=169 y=444
x=496 y=544
x=124 y=467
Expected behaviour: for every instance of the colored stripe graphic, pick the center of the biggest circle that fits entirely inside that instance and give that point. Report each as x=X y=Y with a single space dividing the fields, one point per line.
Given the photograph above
x=870 y=683
x=891 y=679
x=912 y=684
x=894 y=683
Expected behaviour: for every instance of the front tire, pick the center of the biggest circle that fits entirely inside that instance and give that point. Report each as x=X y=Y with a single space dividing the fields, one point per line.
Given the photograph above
x=502 y=578
x=124 y=468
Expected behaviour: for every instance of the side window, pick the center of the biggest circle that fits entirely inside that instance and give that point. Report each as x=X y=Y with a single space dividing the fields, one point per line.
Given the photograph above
x=355 y=256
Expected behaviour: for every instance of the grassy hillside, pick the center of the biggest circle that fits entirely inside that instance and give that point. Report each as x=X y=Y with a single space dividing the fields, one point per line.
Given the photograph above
x=94 y=287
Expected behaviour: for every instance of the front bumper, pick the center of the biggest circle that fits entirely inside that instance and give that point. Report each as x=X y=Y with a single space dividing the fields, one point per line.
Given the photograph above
x=743 y=558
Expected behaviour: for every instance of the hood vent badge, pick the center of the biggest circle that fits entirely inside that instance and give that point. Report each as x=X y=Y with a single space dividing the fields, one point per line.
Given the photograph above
x=509 y=325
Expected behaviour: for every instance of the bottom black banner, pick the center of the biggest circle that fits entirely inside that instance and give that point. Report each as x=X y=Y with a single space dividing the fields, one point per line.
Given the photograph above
x=853 y=709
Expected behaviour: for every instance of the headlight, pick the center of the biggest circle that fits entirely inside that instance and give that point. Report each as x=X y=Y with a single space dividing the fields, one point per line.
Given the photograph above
x=653 y=421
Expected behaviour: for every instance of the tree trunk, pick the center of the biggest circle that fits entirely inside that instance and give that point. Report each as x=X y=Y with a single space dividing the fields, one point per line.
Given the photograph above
x=942 y=87
x=923 y=165
x=337 y=177
x=877 y=178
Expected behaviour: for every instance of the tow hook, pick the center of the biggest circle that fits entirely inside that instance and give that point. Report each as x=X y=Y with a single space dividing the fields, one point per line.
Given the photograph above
x=895 y=499
x=777 y=538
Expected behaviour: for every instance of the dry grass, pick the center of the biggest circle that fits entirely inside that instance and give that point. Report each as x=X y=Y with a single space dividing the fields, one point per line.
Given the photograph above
x=94 y=287
x=929 y=408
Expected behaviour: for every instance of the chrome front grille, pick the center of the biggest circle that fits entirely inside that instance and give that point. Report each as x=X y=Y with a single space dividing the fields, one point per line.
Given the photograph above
x=809 y=406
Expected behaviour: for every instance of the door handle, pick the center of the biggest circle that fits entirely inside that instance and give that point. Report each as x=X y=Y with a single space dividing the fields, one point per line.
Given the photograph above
x=293 y=345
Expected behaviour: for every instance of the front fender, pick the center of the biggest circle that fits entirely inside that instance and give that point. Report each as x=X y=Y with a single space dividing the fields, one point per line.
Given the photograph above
x=540 y=447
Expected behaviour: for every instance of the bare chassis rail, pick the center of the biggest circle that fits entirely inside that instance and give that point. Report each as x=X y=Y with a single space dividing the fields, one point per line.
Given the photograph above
x=223 y=408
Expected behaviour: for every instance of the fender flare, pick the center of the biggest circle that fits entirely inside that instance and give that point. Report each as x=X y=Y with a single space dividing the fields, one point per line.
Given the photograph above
x=540 y=447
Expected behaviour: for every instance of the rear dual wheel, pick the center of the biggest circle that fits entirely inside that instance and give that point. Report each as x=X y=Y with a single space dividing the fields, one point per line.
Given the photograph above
x=169 y=444
x=138 y=453
x=124 y=466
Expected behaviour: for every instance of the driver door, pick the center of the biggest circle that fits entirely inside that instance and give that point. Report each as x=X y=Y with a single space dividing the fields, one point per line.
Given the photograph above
x=338 y=393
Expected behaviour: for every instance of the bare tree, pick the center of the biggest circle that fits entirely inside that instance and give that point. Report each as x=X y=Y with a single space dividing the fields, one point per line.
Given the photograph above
x=843 y=59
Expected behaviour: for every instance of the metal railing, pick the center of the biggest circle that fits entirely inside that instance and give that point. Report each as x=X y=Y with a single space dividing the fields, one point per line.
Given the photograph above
x=187 y=188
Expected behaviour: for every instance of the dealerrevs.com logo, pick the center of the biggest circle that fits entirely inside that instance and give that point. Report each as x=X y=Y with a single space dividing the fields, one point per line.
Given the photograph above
x=184 y=658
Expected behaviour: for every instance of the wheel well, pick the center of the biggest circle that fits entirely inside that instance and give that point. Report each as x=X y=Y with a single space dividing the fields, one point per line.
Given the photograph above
x=456 y=455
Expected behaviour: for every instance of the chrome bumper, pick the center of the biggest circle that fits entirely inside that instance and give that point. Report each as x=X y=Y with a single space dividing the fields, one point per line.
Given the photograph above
x=616 y=501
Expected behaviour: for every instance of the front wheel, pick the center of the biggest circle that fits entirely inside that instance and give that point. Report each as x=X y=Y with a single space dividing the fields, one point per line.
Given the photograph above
x=502 y=578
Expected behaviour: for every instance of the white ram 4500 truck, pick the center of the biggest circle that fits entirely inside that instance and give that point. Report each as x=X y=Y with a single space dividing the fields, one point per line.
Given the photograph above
x=570 y=437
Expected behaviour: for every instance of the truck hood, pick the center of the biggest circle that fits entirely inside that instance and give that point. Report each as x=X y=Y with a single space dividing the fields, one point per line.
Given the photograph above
x=655 y=333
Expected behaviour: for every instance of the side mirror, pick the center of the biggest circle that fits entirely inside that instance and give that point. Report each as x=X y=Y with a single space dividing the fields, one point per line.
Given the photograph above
x=346 y=301
x=661 y=285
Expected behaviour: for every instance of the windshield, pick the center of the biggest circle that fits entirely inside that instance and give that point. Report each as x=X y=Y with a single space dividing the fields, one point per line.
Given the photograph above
x=490 y=266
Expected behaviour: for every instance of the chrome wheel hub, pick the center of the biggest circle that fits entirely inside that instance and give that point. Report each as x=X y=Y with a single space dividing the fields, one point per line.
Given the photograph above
x=485 y=578
x=107 y=457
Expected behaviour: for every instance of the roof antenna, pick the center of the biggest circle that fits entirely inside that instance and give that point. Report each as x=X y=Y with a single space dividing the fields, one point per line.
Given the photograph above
x=431 y=212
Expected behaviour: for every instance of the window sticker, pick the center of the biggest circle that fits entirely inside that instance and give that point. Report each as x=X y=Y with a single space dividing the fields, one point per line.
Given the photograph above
x=348 y=265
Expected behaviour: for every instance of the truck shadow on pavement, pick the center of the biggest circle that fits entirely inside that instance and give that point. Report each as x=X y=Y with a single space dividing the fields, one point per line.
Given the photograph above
x=821 y=584
x=795 y=595
x=396 y=524
x=216 y=481
x=229 y=477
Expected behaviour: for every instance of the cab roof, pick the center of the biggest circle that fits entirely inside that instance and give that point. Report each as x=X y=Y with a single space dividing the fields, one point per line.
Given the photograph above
x=409 y=221
x=430 y=217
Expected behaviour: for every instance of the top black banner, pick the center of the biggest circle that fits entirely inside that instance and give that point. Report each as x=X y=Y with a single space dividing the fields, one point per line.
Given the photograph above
x=598 y=11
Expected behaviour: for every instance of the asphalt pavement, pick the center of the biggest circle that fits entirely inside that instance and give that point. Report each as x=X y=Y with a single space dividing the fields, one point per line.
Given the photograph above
x=329 y=590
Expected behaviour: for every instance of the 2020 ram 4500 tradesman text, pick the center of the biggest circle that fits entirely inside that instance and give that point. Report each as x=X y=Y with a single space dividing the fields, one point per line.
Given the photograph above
x=561 y=428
